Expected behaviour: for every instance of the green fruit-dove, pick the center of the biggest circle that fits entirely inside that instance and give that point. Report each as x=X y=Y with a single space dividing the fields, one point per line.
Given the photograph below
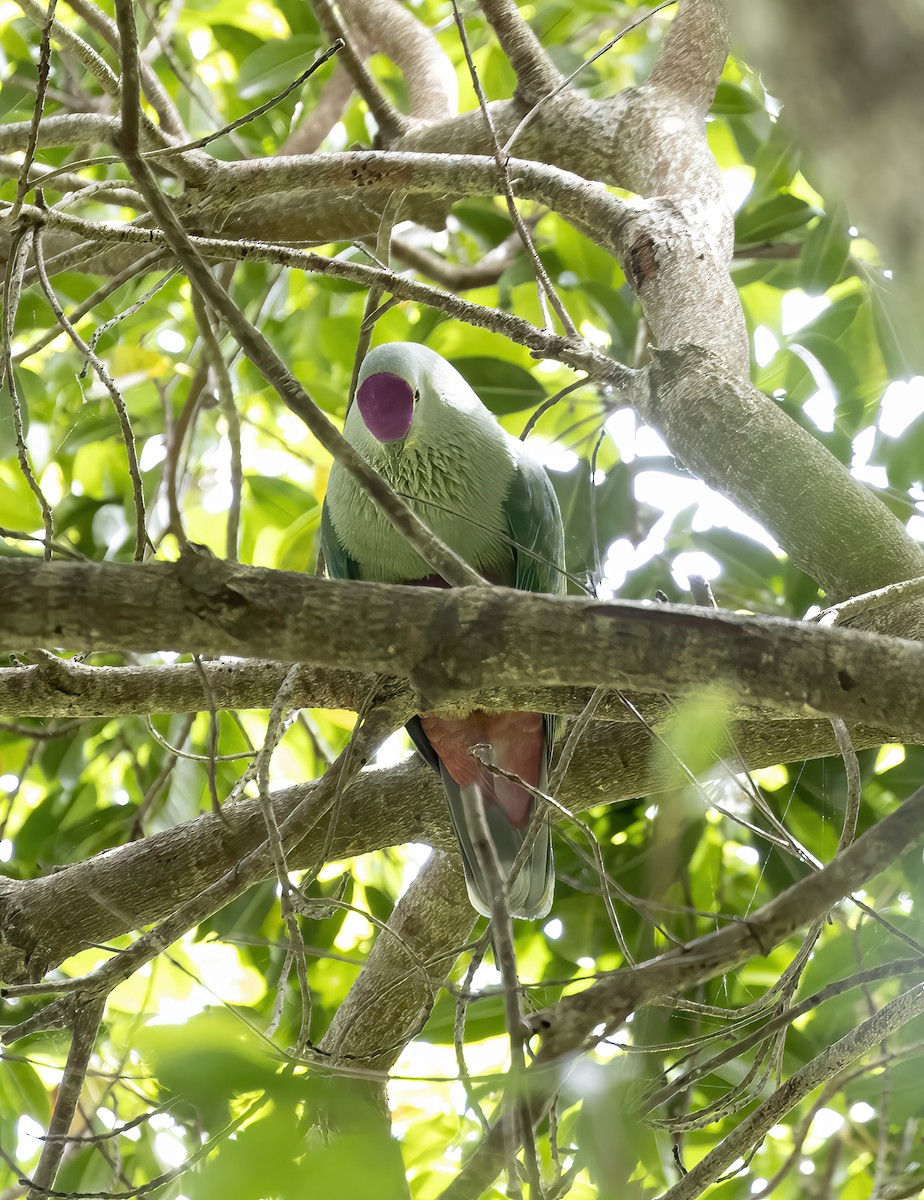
x=420 y=425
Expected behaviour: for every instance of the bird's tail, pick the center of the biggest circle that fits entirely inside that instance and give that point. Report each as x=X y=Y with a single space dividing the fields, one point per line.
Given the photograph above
x=529 y=893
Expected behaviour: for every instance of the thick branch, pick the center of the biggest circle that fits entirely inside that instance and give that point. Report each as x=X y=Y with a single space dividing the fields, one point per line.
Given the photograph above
x=62 y=687
x=448 y=643
x=408 y=965
x=46 y=920
x=693 y=55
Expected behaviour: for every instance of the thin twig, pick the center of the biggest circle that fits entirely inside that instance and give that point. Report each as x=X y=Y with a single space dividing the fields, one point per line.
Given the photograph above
x=817 y=1071
x=12 y=285
x=443 y=560
x=547 y=404
x=546 y=287
x=118 y=400
x=566 y=82
x=518 y=1120
x=225 y=390
x=276 y=725
x=458 y=1030
x=198 y=143
x=579 y=355
x=253 y=866
x=97 y=297
x=134 y=307
x=41 y=84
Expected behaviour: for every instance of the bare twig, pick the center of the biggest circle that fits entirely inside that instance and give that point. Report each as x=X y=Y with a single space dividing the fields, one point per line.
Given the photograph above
x=73 y=44
x=546 y=287
x=198 y=143
x=136 y=306
x=565 y=83
x=84 y=1018
x=41 y=84
x=815 y=1072
x=118 y=400
x=276 y=725
x=577 y=354
x=780 y=1021
x=157 y=94
x=516 y=1115
x=458 y=1028
x=97 y=297
x=12 y=285
x=304 y=817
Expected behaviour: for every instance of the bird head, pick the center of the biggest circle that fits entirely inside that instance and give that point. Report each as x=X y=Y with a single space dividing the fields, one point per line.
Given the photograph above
x=408 y=395
x=386 y=403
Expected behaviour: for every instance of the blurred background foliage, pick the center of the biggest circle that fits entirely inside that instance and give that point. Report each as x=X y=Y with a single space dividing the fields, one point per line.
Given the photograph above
x=185 y=1068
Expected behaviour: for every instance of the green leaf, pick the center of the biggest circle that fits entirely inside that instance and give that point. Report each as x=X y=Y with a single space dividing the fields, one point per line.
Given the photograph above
x=503 y=386
x=280 y=501
x=776 y=163
x=902 y=355
x=732 y=100
x=825 y=252
x=275 y=65
x=769 y=219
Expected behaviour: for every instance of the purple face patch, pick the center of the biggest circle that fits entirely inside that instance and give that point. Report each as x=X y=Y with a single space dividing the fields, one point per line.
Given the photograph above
x=386 y=404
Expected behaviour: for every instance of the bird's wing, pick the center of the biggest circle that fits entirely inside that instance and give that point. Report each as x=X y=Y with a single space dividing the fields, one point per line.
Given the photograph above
x=338 y=563
x=534 y=522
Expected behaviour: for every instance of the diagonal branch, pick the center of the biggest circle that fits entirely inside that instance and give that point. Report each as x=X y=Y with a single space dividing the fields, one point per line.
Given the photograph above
x=536 y=74
x=255 y=864
x=567 y=1027
x=443 y=560
x=608 y=1001
x=412 y=956
x=824 y=1066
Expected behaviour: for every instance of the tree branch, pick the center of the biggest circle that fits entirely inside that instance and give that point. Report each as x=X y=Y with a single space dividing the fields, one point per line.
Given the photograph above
x=43 y=921
x=391 y=122
x=66 y=687
x=612 y=998
x=407 y=966
x=443 y=560
x=429 y=636
x=567 y=1026
x=830 y=1062
x=157 y=94
x=536 y=74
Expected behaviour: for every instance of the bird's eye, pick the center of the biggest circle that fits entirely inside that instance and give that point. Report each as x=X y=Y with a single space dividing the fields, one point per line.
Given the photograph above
x=416 y=395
